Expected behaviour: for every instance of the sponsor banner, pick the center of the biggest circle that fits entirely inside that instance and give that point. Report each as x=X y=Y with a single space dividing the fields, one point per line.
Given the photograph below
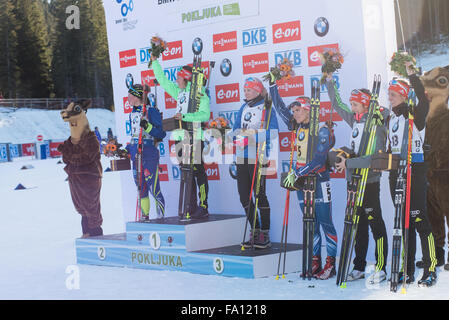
x=292 y=87
x=28 y=149
x=230 y=115
x=315 y=52
x=287 y=32
x=170 y=103
x=147 y=77
x=255 y=63
x=202 y=15
x=325 y=112
x=163 y=172
x=54 y=149
x=254 y=37
x=285 y=141
x=292 y=55
x=224 y=41
x=128 y=58
x=212 y=171
x=271 y=170
x=227 y=93
x=173 y=51
x=206 y=68
x=171 y=73
x=4 y=152
x=126 y=106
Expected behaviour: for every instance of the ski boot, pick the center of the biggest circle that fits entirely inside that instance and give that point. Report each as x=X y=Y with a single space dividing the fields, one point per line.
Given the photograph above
x=263 y=240
x=253 y=235
x=316 y=266
x=428 y=279
x=377 y=277
x=410 y=278
x=200 y=213
x=328 y=270
x=145 y=218
x=356 y=275
x=440 y=258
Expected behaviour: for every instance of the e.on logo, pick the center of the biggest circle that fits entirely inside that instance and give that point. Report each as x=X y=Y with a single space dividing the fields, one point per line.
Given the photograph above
x=314 y=53
x=227 y=93
x=126 y=106
x=173 y=51
x=212 y=171
x=287 y=31
x=225 y=41
x=285 y=143
x=255 y=63
x=128 y=58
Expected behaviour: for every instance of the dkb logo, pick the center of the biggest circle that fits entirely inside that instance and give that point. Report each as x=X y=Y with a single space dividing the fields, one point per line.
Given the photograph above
x=254 y=37
x=292 y=55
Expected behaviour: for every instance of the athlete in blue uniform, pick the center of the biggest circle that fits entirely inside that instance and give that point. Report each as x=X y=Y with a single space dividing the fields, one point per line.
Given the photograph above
x=152 y=132
x=296 y=117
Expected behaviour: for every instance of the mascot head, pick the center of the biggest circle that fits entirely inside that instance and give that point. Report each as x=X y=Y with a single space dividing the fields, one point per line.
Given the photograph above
x=75 y=115
x=436 y=84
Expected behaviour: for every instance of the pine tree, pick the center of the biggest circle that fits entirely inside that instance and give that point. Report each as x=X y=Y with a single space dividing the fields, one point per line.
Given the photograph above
x=9 y=68
x=34 y=51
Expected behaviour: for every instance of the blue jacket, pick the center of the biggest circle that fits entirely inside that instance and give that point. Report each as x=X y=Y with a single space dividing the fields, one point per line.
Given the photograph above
x=149 y=148
x=326 y=140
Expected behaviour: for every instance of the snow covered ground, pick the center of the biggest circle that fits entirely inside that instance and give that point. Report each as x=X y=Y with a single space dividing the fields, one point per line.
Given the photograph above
x=37 y=235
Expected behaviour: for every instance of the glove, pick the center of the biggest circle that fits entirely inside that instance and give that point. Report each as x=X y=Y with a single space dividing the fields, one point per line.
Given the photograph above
x=290 y=180
x=123 y=153
x=272 y=79
x=145 y=125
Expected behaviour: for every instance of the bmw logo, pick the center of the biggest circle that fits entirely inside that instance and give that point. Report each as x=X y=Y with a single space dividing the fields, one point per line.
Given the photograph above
x=197 y=46
x=233 y=170
x=248 y=116
x=321 y=26
x=302 y=135
x=129 y=80
x=225 y=67
x=355 y=133
x=396 y=126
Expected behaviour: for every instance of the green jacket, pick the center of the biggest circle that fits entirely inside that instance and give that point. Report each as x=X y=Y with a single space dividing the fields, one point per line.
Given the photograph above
x=203 y=113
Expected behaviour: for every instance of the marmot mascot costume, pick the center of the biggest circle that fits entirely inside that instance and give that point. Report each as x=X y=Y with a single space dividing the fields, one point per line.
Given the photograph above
x=81 y=154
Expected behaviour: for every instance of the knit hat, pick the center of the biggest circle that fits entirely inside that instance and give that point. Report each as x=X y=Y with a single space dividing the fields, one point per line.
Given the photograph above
x=254 y=83
x=360 y=97
x=400 y=87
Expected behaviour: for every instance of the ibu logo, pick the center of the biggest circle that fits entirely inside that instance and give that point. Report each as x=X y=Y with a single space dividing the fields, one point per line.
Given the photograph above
x=170 y=73
x=125 y=6
x=254 y=37
x=292 y=55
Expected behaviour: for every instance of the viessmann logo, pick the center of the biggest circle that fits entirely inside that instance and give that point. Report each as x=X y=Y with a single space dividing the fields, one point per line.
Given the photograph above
x=232 y=9
x=255 y=63
x=225 y=41
x=128 y=58
x=287 y=31
x=291 y=88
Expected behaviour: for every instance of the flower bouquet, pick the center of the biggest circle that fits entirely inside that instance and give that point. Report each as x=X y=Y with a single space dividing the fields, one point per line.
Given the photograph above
x=283 y=70
x=331 y=60
x=398 y=61
x=221 y=124
x=157 y=47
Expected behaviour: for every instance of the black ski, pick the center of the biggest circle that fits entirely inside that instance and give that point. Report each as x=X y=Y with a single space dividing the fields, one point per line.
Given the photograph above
x=185 y=192
x=310 y=184
x=356 y=187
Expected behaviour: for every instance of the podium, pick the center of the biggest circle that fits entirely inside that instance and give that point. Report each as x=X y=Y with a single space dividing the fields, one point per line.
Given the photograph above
x=208 y=246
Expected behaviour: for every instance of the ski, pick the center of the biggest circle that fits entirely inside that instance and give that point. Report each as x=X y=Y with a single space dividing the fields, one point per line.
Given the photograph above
x=139 y=162
x=411 y=118
x=257 y=174
x=399 y=202
x=356 y=187
x=184 y=207
x=310 y=184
